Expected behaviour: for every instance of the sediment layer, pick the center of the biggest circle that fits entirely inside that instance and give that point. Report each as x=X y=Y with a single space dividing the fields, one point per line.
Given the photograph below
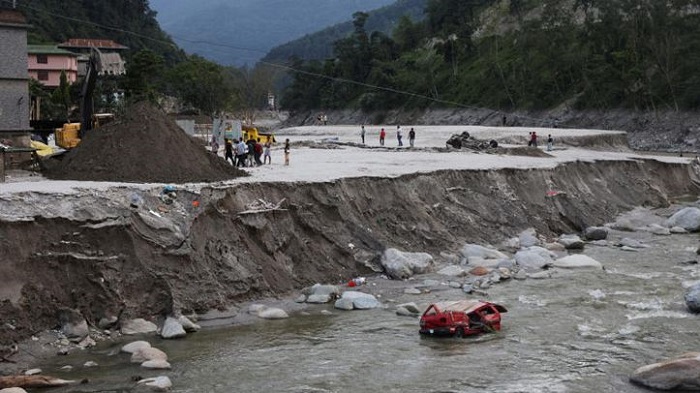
x=101 y=257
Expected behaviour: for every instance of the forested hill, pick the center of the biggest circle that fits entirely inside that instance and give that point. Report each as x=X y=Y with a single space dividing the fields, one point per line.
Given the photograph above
x=516 y=54
x=50 y=26
x=319 y=45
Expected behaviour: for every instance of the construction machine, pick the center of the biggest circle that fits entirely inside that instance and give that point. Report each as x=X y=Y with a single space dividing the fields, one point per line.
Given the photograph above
x=250 y=132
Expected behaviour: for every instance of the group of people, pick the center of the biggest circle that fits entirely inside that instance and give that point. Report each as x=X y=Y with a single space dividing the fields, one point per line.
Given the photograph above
x=533 y=141
x=247 y=153
x=399 y=136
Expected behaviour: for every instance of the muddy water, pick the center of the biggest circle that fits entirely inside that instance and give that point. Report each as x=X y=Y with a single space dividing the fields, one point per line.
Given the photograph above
x=581 y=331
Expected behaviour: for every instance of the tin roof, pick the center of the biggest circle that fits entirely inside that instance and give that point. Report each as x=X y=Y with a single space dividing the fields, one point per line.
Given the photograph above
x=92 y=43
x=48 y=50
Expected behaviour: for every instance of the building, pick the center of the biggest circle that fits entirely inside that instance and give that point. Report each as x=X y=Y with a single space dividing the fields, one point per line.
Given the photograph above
x=47 y=62
x=108 y=50
x=14 y=86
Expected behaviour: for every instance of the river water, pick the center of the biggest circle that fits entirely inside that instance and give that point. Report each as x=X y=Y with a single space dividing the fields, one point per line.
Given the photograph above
x=581 y=331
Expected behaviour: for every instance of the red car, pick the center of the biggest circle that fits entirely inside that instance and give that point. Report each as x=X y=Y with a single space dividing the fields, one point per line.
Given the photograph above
x=461 y=318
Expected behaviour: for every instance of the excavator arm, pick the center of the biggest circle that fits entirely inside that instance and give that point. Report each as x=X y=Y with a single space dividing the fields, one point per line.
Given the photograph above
x=87 y=105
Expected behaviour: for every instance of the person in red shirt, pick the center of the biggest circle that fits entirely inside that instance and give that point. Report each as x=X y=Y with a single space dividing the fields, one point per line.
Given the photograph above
x=382 y=135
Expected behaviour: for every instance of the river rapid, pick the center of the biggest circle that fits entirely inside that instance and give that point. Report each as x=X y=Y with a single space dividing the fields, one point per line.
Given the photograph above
x=579 y=331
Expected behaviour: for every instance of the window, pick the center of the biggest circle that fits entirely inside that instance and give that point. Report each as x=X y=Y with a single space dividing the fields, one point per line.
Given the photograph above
x=42 y=59
x=43 y=75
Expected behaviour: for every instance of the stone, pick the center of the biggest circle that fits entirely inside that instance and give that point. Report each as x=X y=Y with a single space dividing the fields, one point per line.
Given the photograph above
x=475 y=250
x=528 y=238
x=403 y=312
x=255 y=309
x=511 y=245
x=479 y=261
x=682 y=373
x=412 y=307
x=90 y=364
x=333 y=291
x=300 y=299
x=692 y=298
x=480 y=271
x=453 y=271
x=156 y=365
x=571 y=242
x=135 y=346
x=107 y=322
x=540 y=275
x=629 y=249
x=599 y=243
x=595 y=233
x=188 y=325
x=73 y=325
x=33 y=371
x=146 y=354
x=454 y=284
x=13 y=390
x=688 y=219
x=623 y=224
x=412 y=291
x=558 y=247
x=318 y=299
x=627 y=242
x=578 y=261
x=657 y=229
x=172 y=329
x=138 y=326
x=361 y=300
x=344 y=304
x=161 y=383
x=534 y=258
x=326 y=312
x=87 y=342
x=678 y=230
x=431 y=283
x=66 y=368
x=401 y=265
x=273 y=313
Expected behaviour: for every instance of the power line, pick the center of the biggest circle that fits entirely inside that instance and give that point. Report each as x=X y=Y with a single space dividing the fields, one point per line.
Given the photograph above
x=276 y=65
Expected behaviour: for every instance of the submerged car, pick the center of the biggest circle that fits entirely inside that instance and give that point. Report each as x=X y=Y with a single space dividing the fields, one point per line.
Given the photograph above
x=461 y=318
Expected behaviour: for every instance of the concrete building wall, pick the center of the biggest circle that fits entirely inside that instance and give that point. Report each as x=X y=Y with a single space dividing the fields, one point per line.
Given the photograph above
x=14 y=86
x=14 y=105
x=13 y=46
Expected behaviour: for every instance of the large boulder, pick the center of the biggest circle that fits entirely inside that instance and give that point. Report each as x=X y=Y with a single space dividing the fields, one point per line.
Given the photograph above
x=528 y=238
x=344 y=304
x=534 y=258
x=273 y=313
x=401 y=265
x=571 y=242
x=453 y=271
x=188 y=325
x=172 y=328
x=318 y=299
x=577 y=262
x=135 y=346
x=596 y=233
x=73 y=325
x=682 y=373
x=138 y=326
x=333 y=291
x=156 y=365
x=360 y=300
x=158 y=384
x=688 y=219
x=475 y=250
x=692 y=298
x=13 y=390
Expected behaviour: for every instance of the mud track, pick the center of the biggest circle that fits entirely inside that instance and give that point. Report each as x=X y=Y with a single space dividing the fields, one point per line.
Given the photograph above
x=103 y=258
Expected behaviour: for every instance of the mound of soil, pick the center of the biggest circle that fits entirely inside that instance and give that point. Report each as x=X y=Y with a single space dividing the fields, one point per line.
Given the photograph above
x=145 y=146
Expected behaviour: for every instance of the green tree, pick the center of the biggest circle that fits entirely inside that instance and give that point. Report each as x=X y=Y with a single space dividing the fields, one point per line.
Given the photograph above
x=62 y=96
x=202 y=84
x=143 y=76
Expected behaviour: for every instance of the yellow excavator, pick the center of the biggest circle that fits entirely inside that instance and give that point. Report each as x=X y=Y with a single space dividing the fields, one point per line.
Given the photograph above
x=250 y=132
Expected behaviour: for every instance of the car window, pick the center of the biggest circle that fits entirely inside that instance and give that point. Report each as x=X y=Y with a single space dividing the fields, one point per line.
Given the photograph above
x=431 y=311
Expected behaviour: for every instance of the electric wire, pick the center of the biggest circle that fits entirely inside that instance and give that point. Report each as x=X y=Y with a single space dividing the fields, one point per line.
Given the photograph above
x=275 y=65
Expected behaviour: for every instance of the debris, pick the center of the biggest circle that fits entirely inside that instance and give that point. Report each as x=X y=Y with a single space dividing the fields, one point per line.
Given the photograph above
x=262 y=206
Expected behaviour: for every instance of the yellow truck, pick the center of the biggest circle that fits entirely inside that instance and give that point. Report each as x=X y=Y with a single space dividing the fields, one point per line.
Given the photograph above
x=250 y=132
x=68 y=136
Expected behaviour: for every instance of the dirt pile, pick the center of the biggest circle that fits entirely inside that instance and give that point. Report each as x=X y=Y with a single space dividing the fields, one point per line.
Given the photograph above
x=145 y=146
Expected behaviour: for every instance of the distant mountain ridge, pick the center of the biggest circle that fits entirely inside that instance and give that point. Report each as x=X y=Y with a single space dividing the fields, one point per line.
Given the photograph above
x=319 y=45
x=243 y=31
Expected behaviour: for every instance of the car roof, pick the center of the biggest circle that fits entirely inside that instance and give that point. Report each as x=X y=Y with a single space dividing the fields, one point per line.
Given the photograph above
x=465 y=306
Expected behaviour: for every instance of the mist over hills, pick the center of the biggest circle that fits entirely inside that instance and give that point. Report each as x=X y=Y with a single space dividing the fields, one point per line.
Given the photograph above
x=240 y=32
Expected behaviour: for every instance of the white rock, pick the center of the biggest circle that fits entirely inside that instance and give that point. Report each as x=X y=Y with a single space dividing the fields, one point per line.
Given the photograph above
x=412 y=307
x=13 y=390
x=87 y=342
x=135 y=346
x=333 y=291
x=138 y=326
x=156 y=365
x=571 y=242
x=403 y=312
x=326 y=312
x=479 y=261
x=628 y=248
x=577 y=261
x=412 y=291
x=657 y=229
x=76 y=331
x=188 y=325
x=33 y=371
x=688 y=219
x=475 y=250
x=632 y=243
x=255 y=309
x=146 y=354
x=599 y=243
x=678 y=230
x=172 y=329
x=361 y=300
x=344 y=304
x=540 y=275
x=300 y=299
x=453 y=271
x=273 y=313
x=161 y=383
x=107 y=322
x=401 y=265
x=528 y=238
x=318 y=298
x=555 y=247
x=90 y=364
x=534 y=258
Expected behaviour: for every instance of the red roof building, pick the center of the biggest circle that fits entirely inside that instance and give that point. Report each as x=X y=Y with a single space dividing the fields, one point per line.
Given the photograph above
x=87 y=43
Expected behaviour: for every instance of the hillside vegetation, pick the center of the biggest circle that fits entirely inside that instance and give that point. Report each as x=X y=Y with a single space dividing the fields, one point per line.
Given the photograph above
x=55 y=21
x=515 y=54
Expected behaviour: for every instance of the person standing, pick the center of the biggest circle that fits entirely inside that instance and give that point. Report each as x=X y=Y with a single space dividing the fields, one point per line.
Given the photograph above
x=550 y=142
x=533 y=139
x=267 y=155
x=258 y=152
x=286 y=152
x=411 y=137
x=228 y=151
x=399 y=135
x=240 y=153
x=362 y=134
x=382 y=136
